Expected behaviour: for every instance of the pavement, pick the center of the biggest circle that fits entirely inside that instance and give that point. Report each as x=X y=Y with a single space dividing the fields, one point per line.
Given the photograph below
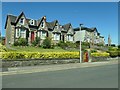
x=54 y=67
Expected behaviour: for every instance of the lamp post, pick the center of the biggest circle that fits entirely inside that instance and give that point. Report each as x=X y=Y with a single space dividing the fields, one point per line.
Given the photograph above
x=80 y=45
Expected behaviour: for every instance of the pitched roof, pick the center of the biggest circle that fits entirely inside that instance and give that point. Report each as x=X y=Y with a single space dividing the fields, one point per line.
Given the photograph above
x=66 y=26
x=35 y=22
x=51 y=25
x=12 y=19
x=84 y=28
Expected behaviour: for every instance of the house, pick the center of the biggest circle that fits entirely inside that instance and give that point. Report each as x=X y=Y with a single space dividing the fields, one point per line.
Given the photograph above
x=90 y=35
x=20 y=26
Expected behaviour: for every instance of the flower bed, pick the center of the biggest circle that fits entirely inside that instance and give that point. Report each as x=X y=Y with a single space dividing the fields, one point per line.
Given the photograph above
x=39 y=55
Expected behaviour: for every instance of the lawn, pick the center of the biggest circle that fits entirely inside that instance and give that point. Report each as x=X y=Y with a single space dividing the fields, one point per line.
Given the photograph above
x=39 y=49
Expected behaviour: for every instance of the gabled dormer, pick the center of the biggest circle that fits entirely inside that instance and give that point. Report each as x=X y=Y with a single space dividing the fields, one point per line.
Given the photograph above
x=70 y=30
x=42 y=23
x=32 y=22
x=21 y=21
x=56 y=27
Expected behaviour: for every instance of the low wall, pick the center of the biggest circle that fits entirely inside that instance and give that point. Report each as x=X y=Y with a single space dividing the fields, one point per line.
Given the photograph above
x=34 y=62
x=21 y=63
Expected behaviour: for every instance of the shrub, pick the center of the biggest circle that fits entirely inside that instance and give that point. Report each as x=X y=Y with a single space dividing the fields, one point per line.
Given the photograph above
x=101 y=54
x=39 y=55
x=21 y=42
x=113 y=53
x=2 y=48
x=36 y=42
x=67 y=44
x=47 y=43
x=93 y=51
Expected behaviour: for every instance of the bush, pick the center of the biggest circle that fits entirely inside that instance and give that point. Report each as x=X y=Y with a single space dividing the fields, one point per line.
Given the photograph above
x=62 y=44
x=113 y=53
x=39 y=55
x=47 y=43
x=36 y=42
x=2 y=48
x=21 y=42
x=67 y=44
x=93 y=51
x=102 y=54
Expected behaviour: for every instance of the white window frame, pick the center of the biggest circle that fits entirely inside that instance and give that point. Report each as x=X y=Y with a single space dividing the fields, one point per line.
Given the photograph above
x=43 y=34
x=23 y=32
x=69 y=37
x=32 y=22
x=22 y=21
x=56 y=36
x=42 y=24
x=17 y=33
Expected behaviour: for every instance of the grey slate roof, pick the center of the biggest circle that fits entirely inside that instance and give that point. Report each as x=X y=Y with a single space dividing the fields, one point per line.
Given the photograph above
x=84 y=28
x=66 y=26
x=12 y=18
x=28 y=20
x=51 y=25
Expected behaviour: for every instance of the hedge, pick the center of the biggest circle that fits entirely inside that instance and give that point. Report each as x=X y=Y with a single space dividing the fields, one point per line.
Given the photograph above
x=114 y=53
x=39 y=55
x=100 y=54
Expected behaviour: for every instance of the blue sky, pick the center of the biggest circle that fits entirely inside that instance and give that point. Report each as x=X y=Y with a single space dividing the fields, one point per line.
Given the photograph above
x=102 y=15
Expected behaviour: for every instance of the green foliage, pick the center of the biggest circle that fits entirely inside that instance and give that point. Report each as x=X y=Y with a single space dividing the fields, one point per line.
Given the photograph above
x=36 y=42
x=112 y=48
x=39 y=55
x=85 y=43
x=47 y=43
x=113 y=53
x=100 y=54
x=2 y=48
x=93 y=51
x=67 y=44
x=100 y=44
x=21 y=42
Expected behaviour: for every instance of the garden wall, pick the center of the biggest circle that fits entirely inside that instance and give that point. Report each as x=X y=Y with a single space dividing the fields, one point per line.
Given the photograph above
x=21 y=63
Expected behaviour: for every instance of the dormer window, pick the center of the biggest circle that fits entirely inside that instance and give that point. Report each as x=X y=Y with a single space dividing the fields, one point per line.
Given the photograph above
x=42 y=24
x=22 y=20
x=32 y=22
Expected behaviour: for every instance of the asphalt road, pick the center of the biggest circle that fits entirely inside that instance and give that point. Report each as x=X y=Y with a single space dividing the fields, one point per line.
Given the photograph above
x=91 y=77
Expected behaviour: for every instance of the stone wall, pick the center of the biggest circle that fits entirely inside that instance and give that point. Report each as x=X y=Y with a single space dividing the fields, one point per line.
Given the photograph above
x=21 y=63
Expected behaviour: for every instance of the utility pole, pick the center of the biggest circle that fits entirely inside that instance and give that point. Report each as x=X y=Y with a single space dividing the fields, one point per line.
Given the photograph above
x=80 y=45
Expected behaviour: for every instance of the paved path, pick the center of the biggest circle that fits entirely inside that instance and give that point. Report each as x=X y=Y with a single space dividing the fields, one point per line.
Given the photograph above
x=55 y=67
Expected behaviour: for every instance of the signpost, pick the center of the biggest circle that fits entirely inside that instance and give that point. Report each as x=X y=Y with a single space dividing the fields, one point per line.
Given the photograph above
x=80 y=44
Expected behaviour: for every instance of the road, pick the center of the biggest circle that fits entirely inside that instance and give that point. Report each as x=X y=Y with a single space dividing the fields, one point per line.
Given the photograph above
x=90 y=77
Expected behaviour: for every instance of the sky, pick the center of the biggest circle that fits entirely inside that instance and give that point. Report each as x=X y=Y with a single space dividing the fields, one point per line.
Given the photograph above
x=102 y=15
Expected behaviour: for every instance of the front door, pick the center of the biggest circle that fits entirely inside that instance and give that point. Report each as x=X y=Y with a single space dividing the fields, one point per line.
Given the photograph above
x=63 y=38
x=32 y=36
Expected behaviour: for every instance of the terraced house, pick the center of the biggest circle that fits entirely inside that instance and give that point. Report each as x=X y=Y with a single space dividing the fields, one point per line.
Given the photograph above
x=23 y=27
x=20 y=26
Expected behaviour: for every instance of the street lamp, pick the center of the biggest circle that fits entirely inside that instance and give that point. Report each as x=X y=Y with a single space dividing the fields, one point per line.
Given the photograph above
x=80 y=45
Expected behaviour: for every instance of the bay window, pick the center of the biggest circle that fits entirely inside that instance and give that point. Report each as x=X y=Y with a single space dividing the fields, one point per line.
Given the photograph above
x=56 y=36
x=43 y=34
x=70 y=37
x=20 y=33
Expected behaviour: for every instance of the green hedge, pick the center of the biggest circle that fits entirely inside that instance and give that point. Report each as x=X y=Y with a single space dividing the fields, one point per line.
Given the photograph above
x=100 y=54
x=114 y=53
x=39 y=55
